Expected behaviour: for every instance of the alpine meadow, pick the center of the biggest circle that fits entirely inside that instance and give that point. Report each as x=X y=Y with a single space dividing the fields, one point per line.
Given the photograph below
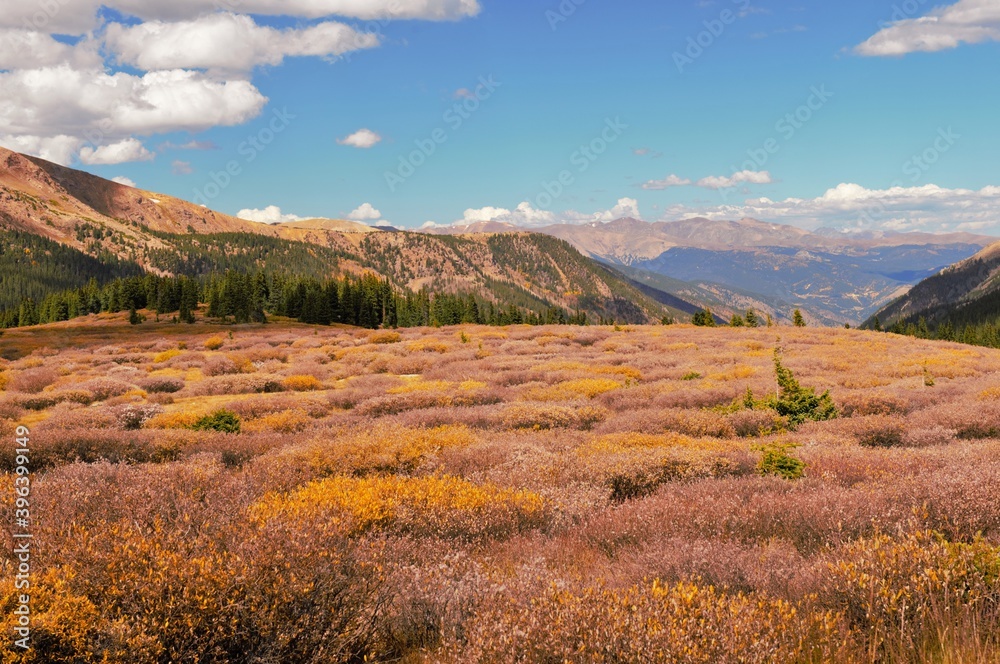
x=481 y=332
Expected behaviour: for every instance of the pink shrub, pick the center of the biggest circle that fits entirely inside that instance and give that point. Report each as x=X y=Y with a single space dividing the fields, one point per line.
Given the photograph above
x=32 y=381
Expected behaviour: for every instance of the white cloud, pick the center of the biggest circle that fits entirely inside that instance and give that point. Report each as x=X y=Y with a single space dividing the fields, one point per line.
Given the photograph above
x=28 y=49
x=272 y=214
x=59 y=149
x=227 y=42
x=527 y=216
x=667 y=182
x=967 y=21
x=927 y=208
x=121 y=179
x=189 y=64
x=365 y=213
x=743 y=177
x=179 y=167
x=80 y=16
x=710 y=182
x=61 y=103
x=362 y=138
x=121 y=152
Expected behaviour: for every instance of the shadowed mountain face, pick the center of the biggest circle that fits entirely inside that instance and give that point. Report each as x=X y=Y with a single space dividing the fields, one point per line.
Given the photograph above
x=967 y=292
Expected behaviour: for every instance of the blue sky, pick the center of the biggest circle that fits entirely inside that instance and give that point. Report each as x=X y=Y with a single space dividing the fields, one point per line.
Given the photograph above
x=895 y=126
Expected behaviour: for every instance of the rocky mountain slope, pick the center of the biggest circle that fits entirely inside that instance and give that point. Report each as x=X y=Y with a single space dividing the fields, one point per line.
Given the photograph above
x=141 y=230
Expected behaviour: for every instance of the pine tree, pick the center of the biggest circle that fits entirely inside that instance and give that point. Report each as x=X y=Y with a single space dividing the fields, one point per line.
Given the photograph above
x=797 y=319
x=752 y=320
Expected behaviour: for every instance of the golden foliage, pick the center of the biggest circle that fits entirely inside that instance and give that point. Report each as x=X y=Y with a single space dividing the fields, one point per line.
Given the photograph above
x=214 y=343
x=295 y=420
x=573 y=389
x=303 y=383
x=385 y=337
x=166 y=355
x=441 y=505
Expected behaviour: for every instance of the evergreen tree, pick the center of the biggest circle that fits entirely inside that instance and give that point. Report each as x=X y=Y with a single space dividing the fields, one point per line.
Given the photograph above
x=797 y=319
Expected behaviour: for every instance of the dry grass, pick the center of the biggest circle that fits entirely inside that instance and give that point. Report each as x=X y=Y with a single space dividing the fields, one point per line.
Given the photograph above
x=502 y=495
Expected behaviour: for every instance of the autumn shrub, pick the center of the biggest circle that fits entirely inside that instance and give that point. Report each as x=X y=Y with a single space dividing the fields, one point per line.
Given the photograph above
x=162 y=385
x=757 y=422
x=302 y=383
x=686 y=622
x=86 y=446
x=105 y=388
x=237 y=384
x=873 y=403
x=633 y=465
x=382 y=448
x=287 y=421
x=437 y=506
x=131 y=417
x=166 y=355
x=913 y=593
x=385 y=337
x=214 y=343
x=4 y=380
x=570 y=390
x=532 y=416
x=32 y=381
x=878 y=431
x=174 y=420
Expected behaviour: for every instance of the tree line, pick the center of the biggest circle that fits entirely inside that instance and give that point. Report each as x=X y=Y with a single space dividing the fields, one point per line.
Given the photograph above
x=364 y=301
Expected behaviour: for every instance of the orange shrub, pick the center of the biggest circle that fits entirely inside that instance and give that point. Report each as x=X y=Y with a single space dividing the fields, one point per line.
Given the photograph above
x=302 y=383
x=288 y=421
x=166 y=355
x=214 y=343
x=175 y=420
x=441 y=506
x=385 y=337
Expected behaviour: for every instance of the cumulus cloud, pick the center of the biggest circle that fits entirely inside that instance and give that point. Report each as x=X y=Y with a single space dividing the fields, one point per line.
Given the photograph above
x=362 y=138
x=121 y=152
x=365 y=212
x=667 y=182
x=710 y=182
x=928 y=208
x=967 y=21
x=80 y=16
x=105 y=108
x=121 y=179
x=272 y=214
x=527 y=216
x=28 y=49
x=743 y=177
x=227 y=42
x=187 y=65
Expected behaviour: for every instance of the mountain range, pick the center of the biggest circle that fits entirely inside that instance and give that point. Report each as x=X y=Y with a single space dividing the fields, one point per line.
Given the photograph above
x=626 y=269
x=60 y=227
x=834 y=277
